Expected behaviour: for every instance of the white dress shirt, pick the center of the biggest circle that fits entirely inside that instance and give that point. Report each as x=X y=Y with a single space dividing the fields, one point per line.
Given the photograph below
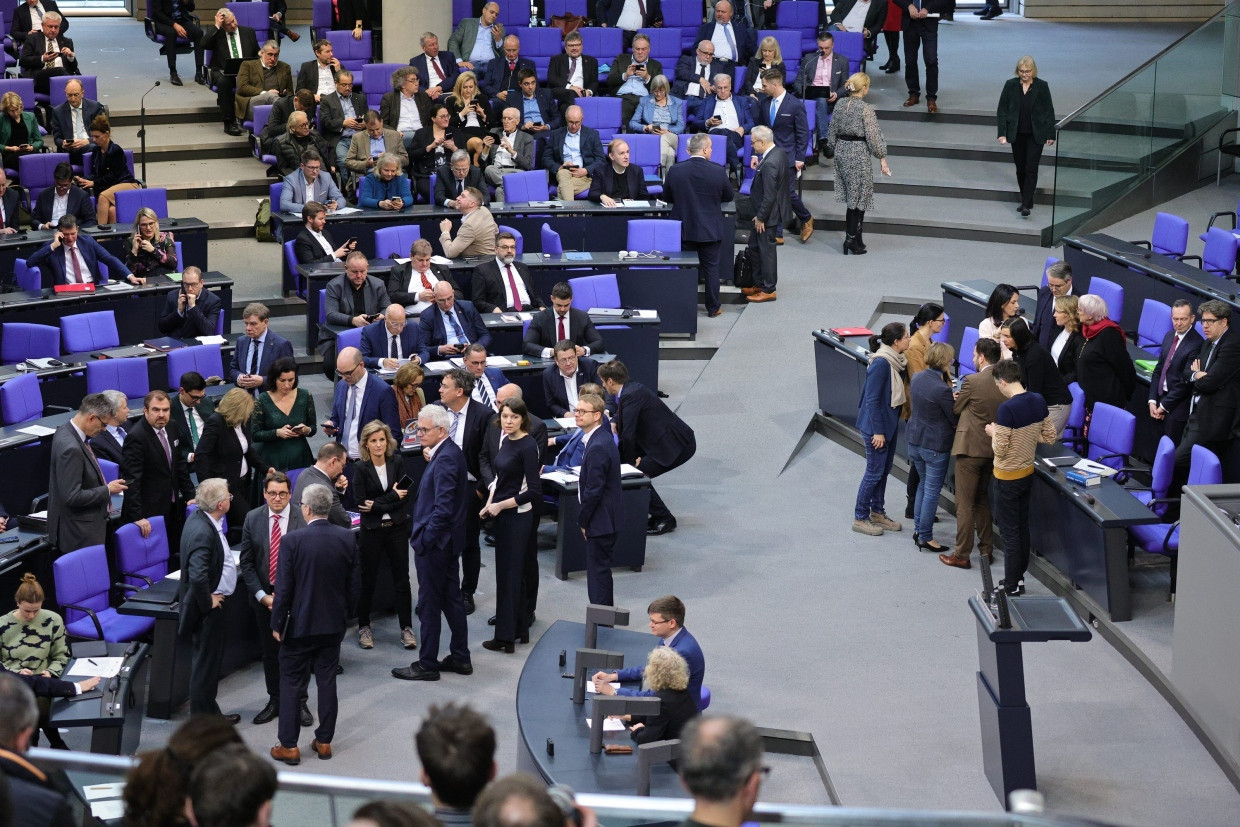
x=228 y=575
x=725 y=110
x=410 y=118
x=723 y=49
x=416 y=286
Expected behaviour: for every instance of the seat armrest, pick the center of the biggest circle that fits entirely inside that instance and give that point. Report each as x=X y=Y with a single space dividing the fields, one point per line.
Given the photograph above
x=1223 y=214
x=149 y=581
x=90 y=613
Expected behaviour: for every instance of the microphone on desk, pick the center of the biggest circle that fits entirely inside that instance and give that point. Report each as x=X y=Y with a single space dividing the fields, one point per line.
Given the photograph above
x=142 y=126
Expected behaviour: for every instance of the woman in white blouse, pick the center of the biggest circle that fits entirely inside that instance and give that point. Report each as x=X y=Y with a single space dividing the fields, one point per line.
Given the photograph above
x=1004 y=304
x=1067 y=345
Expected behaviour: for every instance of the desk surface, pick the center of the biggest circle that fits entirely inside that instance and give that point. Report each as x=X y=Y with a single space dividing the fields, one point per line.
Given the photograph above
x=1113 y=507
x=424 y=211
x=157 y=601
x=154 y=284
x=37 y=238
x=1158 y=265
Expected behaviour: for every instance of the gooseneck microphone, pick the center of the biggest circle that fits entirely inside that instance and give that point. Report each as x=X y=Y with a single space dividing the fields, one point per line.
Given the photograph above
x=142 y=128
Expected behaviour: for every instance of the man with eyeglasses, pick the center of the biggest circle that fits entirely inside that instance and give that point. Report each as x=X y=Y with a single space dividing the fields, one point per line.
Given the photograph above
x=571 y=153
x=488 y=382
x=256 y=350
x=1058 y=284
x=1169 y=389
x=1214 y=385
x=413 y=284
x=47 y=54
x=190 y=410
x=78 y=497
x=277 y=119
x=667 y=623
x=695 y=75
x=71 y=121
x=63 y=197
x=320 y=74
x=263 y=80
x=406 y=108
x=504 y=284
x=354 y=299
x=357 y=400
x=562 y=381
x=602 y=501
x=390 y=342
x=10 y=215
x=341 y=115
x=308 y=183
x=190 y=311
x=451 y=326
x=464 y=175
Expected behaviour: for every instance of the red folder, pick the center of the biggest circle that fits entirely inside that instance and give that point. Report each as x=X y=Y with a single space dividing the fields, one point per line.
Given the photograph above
x=74 y=288
x=852 y=331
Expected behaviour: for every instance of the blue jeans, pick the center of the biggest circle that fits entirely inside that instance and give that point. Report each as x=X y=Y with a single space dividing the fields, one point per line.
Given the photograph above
x=931 y=468
x=872 y=494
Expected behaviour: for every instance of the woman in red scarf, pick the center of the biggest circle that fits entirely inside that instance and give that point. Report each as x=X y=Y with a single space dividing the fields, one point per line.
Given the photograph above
x=1104 y=370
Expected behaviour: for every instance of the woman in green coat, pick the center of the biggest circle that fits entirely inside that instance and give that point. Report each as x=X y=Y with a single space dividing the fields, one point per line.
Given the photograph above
x=19 y=134
x=1026 y=119
x=283 y=419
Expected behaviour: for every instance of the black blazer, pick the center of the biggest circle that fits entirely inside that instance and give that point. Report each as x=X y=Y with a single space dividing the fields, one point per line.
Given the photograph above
x=318 y=581
x=542 y=332
x=678 y=707
x=477 y=418
x=199 y=320
x=106 y=447
x=473 y=178
x=202 y=559
x=308 y=77
x=24 y=22
x=306 y=250
x=557 y=72
x=12 y=208
x=1040 y=374
x=1104 y=370
x=769 y=193
x=605 y=181
x=78 y=206
x=110 y=168
x=1177 y=387
x=447 y=62
x=398 y=283
x=389 y=107
x=648 y=428
x=215 y=40
x=1043 y=326
x=553 y=384
x=219 y=454
x=488 y=287
x=205 y=408
x=490 y=448
x=695 y=189
x=150 y=477
x=366 y=487
x=1042 y=116
x=331 y=115
x=615 y=78
x=1216 y=409
x=31 y=59
x=1068 y=356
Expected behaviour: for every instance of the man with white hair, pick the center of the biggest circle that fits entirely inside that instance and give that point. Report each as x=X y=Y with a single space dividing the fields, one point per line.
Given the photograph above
x=47 y=54
x=229 y=44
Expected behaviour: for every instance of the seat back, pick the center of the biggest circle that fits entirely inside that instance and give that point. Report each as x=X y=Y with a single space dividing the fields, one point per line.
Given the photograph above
x=665 y=47
x=968 y=341
x=600 y=290
x=504 y=228
x=1111 y=431
x=129 y=376
x=553 y=8
x=81 y=579
x=56 y=87
x=143 y=556
x=89 y=331
x=22 y=86
x=525 y=186
x=1047 y=266
x=262 y=114
x=35 y=171
x=1204 y=467
x=1161 y=472
x=255 y=16
x=650 y=234
x=1170 y=236
x=1218 y=257
x=849 y=44
x=682 y=14
x=21 y=400
x=603 y=43
x=515 y=13
x=644 y=151
x=790 y=43
x=290 y=261
x=321 y=17
x=274 y=192
x=376 y=80
x=1154 y=325
x=207 y=360
x=349 y=338
x=20 y=341
x=601 y=114
x=352 y=54
x=128 y=202
x=1075 y=425
x=29 y=279
x=718 y=148
x=1112 y=294
x=111 y=470
x=540 y=45
x=394 y=242
x=551 y=244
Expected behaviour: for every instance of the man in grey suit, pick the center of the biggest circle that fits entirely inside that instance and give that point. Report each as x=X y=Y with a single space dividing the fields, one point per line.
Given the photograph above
x=507 y=150
x=71 y=121
x=354 y=299
x=341 y=116
x=328 y=469
x=476 y=41
x=772 y=207
x=261 y=537
x=78 y=498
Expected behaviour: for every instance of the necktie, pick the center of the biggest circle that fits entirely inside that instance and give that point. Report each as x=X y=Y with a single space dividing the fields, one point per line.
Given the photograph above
x=120 y=435
x=456 y=328
x=77 y=266
x=393 y=348
x=572 y=67
x=254 y=345
x=702 y=71
x=774 y=109
x=512 y=283
x=460 y=187
x=456 y=418
x=193 y=425
x=348 y=414
x=482 y=392
x=163 y=440
x=1162 y=379
x=727 y=32
x=78 y=131
x=641 y=9
x=232 y=45
x=38 y=10
x=426 y=283
x=274 y=555
x=435 y=66
x=512 y=66
x=98 y=467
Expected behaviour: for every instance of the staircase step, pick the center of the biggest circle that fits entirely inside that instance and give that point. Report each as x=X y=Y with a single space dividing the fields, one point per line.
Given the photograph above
x=200 y=178
x=170 y=142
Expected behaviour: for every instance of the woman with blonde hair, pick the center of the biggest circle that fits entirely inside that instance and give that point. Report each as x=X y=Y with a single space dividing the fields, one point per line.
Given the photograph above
x=1066 y=348
x=152 y=252
x=854 y=136
x=109 y=168
x=769 y=56
x=667 y=676
x=19 y=132
x=226 y=450
x=381 y=494
x=469 y=108
x=32 y=642
x=1026 y=120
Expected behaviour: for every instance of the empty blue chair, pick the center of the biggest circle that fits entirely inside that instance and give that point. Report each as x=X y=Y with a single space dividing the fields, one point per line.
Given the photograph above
x=515 y=13
x=394 y=242
x=522 y=187
x=649 y=234
x=323 y=306
x=349 y=338
x=21 y=400
x=352 y=54
x=83 y=586
x=206 y=360
x=798 y=16
x=551 y=241
x=29 y=279
x=968 y=342
x=665 y=46
x=602 y=114
x=128 y=202
x=262 y=114
x=253 y=15
x=504 y=228
x=290 y=261
x=600 y=290
x=89 y=331
x=603 y=43
x=1112 y=294
x=1074 y=428
x=705 y=698
x=540 y=45
x=1218 y=257
x=22 y=86
x=321 y=17
x=20 y=341
x=554 y=8
x=645 y=152
x=1170 y=236
x=1111 y=434
x=129 y=376
x=142 y=561
x=1153 y=326
x=35 y=171
x=1162 y=469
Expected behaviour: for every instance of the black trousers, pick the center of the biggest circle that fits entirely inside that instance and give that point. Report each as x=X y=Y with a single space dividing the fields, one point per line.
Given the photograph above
x=225 y=95
x=1184 y=452
x=204 y=669
x=439 y=594
x=529 y=575
x=1011 y=509
x=1026 y=155
x=708 y=268
x=761 y=252
x=192 y=30
x=471 y=558
x=390 y=545
x=299 y=657
x=653 y=468
x=512 y=536
x=598 y=566
x=735 y=143
x=924 y=35
x=271 y=653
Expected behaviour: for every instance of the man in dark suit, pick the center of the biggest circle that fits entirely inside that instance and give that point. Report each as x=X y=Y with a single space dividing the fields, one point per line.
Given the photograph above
x=391 y=341
x=464 y=175
x=921 y=31
x=209 y=576
x=229 y=43
x=602 y=501
x=784 y=113
x=731 y=32
x=158 y=477
x=1168 y=389
x=695 y=76
x=630 y=75
x=768 y=196
x=175 y=20
x=10 y=207
x=77 y=496
x=450 y=326
x=413 y=284
x=724 y=113
x=488 y=382
x=559 y=322
x=438 y=67
x=651 y=437
x=616 y=180
x=570 y=154
x=342 y=115
x=572 y=75
x=190 y=410
x=1214 y=383
x=71 y=121
x=71 y=258
x=633 y=15
x=440 y=513
x=261 y=539
x=503 y=284
x=1058 y=283
x=818 y=69
x=28 y=17
x=358 y=400
x=313 y=242
x=256 y=349
x=47 y=54
x=320 y=74
x=501 y=82
x=539 y=111
x=318 y=583
x=277 y=125
x=109 y=443
x=190 y=311
x=328 y=469
x=353 y=299
x=564 y=379
x=694 y=189
x=467 y=428
x=77 y=202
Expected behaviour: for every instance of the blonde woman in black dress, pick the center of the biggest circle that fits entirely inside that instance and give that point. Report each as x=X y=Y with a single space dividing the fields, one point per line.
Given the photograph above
x=855 y=138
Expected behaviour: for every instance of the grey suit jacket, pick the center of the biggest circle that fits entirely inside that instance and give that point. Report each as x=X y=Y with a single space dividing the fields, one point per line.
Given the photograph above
x=311 y=476
x=359 y=151
x=375 y=295
x=461 y=41
x=331 y=115
x=255 y=549
x=78 y=498
x=524 y=145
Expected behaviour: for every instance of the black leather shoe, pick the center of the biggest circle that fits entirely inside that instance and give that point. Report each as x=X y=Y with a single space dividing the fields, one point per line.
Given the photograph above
x=661 y=527
x=306 y=718
x=415 y=672
x=491 y=620
x=470 y=608
x=175 y=80
x=233 y=718
x=232 y=128
x=488 y=540
x=497 y=645
x=339 y=669
x=450 y=665
x=268 y=713
x=200 y=77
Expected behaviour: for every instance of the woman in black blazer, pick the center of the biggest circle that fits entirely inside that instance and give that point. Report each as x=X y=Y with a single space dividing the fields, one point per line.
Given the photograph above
x=432 y=146
x=109 y=170
x=226 y=450
x=1038 y=370
x=769 y=56
x=1104 y=370
x=385 y=528
x=667 y=676
x=1067 y=346
x=1026 y=119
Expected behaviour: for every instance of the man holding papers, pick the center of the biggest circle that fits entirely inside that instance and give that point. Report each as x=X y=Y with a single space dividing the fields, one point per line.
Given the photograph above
x=390 y=342
x=602 y=503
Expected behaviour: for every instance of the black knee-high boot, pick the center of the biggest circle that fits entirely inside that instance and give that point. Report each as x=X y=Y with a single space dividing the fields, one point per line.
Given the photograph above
x=859 y=246
x=850 y=231
x=893 y=45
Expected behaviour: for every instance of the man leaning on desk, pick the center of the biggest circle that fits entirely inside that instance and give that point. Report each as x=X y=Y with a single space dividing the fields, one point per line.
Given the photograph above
x=476 y=236
x=667 y=622
x=616 y=180
x=71 y=258
x=391 y=341
x=559 y=322
x=313 y=244
x=190 y=311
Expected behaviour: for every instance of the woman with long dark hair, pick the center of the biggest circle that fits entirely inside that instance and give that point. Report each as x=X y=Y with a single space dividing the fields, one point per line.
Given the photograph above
x=1038 y=371
x=1004 y=304
x=878 y=418
x=284 y=418
x=928 y=322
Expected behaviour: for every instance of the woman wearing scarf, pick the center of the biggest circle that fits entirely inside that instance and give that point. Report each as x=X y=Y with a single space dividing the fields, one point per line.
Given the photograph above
x=882 y=398
x=1103 y=370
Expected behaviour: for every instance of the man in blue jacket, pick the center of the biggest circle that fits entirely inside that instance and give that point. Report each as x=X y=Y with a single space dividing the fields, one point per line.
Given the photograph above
x=73 y=259
x=667 y=622
x=602 y=501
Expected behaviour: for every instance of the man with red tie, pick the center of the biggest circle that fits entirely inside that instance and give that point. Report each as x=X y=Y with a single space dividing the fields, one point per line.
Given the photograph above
x=503 y=283
x=413 y=284
x=73 y=259
x=559 y=322
x=152 y=462
x=439 y=68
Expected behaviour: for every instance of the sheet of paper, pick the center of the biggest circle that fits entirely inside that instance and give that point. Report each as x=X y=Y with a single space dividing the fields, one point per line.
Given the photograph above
x=91 y=667
x=211 y=340
x=174 y=276
x=1095 y=468
x=568 y=422
x=173 y=575
x=499 y=362
x=446 y=262
x=590 y=686
x=439 y=364
x=635 y=202
x=510 y=317
x=627 y=470
x=562 y=477
x=117 y=286
x=111 y=810
x=346 y=211
x=609 y=724
x=96 y=792
x=37 y=430
x=647 y=314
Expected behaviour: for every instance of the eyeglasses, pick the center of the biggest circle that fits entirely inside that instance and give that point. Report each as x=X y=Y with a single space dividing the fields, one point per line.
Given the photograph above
x=658 y=622
x=420 y=430
x=277 y=494
x=346 y=374
x=1204 y=320
x=583 y=411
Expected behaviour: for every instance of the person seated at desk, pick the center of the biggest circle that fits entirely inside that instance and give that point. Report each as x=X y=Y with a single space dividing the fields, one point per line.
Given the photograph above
x=110 y=170
x=152 y=252
x=430 y=149
x=313 y=243
x=341 y=116
x=62 y=198
x=354 y=299
x=729 y=115
x=487 y=381
x=413 y=284
x=190 y=311
x=476 y=235
x=503 y=283
x=10 y=208
x=71 y=121
x=390 y=342
x=33 y=642
x=309 y=183
x=562 y=381
x=570 y=74
x=559 y=322
x=405 y=109
x=449 y=327
x=256 y=350
x=373 y=141
x=617 y=180
x=301 y=136
x=70 y=258
x=277 y=119
x=572 y=444
x=385 y=188
x=500 y=80
x=506 y=150
x=667 y=619
x=667 y=676
x=571 y=153
x=471 y=112
x=464 y=174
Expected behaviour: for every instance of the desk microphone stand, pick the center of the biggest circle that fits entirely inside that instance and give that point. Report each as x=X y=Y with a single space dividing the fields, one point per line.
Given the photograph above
x=142 y=129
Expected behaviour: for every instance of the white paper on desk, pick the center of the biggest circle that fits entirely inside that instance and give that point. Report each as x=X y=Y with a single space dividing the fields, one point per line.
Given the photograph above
x=499 y=362
x=37 y=430
x=211 y=340
x=647 y=314
x=446 y=262
x=439 y=364
x=111 y=810
x=562 y=477
x=510 y=317
x=609 y=724
x=590 y=687
x=627 y=470
x=1095 y=468
x=635 y=202
x=401 y=260
x=118 y=285
x=566 y=422
x=95 y=792
x=387 y=371
x=101 y=667
x=173 y=575
x=346 y=211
